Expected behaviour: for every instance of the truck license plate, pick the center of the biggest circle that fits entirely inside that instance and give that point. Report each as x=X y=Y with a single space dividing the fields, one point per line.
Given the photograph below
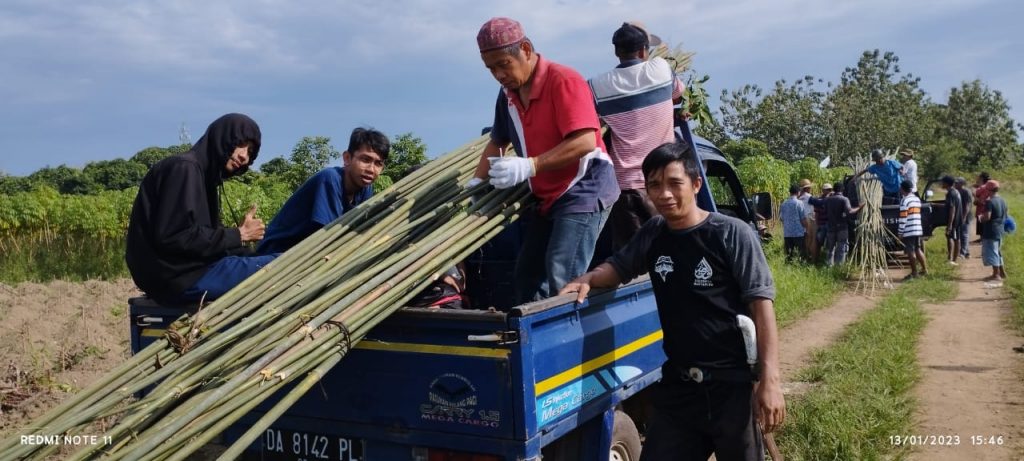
x=285 y=445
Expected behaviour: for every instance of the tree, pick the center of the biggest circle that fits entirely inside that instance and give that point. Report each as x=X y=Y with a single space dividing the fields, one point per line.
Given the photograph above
x=64 y=179
x=407 y=151
x=150 y=156
x=737 y=150
x=277 y=166
x=875 y=106
x=788 y=119
x=117 y=174
x=979 y=119
x=312 y=154
x=941 y=157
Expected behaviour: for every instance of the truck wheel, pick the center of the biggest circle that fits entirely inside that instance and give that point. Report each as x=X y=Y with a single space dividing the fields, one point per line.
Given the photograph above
x=625 y=439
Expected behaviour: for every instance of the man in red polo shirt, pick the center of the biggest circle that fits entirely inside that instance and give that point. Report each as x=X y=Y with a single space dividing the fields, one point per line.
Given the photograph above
x=546 y=111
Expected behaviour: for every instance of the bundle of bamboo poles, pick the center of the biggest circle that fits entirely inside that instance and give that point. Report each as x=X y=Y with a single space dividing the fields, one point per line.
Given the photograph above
x=870 y=265
x=293 y=320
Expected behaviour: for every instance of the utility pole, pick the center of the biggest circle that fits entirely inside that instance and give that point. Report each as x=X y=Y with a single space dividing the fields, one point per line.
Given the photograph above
x=183 y=136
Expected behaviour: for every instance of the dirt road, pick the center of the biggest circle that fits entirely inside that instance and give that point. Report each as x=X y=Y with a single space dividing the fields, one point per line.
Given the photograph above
x=971 y=389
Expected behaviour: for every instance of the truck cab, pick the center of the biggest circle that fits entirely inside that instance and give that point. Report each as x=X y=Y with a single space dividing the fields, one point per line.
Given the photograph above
x=551 y=379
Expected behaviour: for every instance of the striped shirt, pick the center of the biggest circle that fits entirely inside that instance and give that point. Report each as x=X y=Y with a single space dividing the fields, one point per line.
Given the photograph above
x=635 y=101
x=910 y=217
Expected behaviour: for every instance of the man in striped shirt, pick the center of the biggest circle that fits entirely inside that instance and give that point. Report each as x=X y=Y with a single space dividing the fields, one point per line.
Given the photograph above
x=635 y=101
x=911 y=231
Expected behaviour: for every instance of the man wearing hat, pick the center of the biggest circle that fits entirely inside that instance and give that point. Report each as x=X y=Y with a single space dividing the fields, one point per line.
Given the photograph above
x=889 y=172
x=635 y=100
x=820 y=219
x=546 y=112
x=812 y=226
x=909 y=168
x=992 y=222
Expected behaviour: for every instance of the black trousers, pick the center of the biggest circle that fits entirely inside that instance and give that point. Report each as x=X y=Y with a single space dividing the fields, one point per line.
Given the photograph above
x=795 y=248
x=693 y=420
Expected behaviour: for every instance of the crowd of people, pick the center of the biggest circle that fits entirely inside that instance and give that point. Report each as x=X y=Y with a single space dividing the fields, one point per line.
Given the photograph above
x=816 y=229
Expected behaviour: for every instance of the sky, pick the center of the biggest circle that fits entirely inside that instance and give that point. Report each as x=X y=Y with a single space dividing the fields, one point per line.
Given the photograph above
x=103 y=79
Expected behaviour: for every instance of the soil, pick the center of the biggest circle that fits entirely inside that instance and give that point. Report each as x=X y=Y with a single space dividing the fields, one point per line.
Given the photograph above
x=57 y=338
x=971 y=377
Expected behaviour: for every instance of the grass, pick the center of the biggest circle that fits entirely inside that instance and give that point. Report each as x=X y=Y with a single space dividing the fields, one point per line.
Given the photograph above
x=1013 y=261
x=864 y=381
x=73 y=258
x=800 y=288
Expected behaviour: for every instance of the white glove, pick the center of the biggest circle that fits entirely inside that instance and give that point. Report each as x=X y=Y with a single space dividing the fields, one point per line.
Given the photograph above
x=506 y=172
x=473 y=182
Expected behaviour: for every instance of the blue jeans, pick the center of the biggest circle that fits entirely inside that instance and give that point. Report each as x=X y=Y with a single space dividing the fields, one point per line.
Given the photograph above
x=965 y=237
x=836 y=244
x=224 y=275
x=556 y=249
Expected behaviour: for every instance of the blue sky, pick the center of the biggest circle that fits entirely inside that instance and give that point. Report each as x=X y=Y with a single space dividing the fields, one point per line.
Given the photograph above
x=85 y=81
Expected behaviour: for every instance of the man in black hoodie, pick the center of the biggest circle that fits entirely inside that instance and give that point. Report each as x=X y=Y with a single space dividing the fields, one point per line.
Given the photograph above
x=178 y=249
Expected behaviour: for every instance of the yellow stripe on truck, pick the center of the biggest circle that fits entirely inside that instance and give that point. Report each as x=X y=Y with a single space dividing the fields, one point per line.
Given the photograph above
x=578 y=371
x=464 y=351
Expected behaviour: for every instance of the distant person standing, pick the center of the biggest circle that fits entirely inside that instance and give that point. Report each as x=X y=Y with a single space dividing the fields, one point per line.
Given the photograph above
x=967 y=200
x=837 y=239
x=993 y=220
x=910 y=230
x=820 y=218
x=954 y=219
x=793 y=214
x=909 y=168
x=888 y=173
x=810 y=241
x=980 y=197
x=635 y=100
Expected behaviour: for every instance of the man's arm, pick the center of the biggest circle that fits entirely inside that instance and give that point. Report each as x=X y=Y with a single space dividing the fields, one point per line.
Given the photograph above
x=603 y=276
x=986 y=216
x=572 y=148
x=771 y=405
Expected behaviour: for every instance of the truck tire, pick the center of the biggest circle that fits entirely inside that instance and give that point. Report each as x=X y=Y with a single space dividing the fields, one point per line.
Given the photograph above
x=625 y=439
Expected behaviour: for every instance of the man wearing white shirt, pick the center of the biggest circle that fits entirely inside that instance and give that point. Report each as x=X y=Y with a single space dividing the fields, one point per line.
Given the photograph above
x=910 y=169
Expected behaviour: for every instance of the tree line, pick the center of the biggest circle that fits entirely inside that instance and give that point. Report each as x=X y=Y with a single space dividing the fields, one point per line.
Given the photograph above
x=874 y=105
x=309 y=155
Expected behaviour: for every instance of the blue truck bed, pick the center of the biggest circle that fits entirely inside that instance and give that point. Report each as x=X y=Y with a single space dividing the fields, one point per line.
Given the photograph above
x=482 y=382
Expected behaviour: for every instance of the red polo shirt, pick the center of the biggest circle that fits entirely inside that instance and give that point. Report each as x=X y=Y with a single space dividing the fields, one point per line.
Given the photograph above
x=560 y=103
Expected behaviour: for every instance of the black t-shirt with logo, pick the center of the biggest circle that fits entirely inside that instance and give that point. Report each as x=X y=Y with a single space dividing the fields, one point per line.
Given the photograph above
x=703 y=277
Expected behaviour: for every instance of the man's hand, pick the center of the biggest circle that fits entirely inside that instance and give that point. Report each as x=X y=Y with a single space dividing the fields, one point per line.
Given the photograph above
x=580 y=285
x=252 y=228
x=771 y=405
x=507 y=172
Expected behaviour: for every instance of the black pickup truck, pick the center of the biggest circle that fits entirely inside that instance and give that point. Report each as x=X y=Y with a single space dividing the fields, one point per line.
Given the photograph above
x=933 y=210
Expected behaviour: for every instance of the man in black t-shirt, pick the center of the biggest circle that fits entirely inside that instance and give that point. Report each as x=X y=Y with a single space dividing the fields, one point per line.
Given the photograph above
x=954 y=219
x=706 y=270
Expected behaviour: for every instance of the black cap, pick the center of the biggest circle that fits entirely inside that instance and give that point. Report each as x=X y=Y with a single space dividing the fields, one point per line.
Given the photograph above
x=906 y=185
x=948 y=180
x=633 y=37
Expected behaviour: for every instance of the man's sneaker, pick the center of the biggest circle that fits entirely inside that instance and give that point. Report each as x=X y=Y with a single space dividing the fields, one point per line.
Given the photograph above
x=953 y=263
x=910 y=277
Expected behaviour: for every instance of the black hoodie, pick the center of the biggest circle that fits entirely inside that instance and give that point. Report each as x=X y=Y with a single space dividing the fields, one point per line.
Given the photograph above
x=175 y=232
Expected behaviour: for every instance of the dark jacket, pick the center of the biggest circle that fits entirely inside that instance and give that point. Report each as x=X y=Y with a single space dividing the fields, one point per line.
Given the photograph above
x=175 y=232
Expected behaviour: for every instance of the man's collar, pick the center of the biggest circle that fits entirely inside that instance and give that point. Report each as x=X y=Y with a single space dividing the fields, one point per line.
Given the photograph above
x=629 y=63
x=536 y=81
